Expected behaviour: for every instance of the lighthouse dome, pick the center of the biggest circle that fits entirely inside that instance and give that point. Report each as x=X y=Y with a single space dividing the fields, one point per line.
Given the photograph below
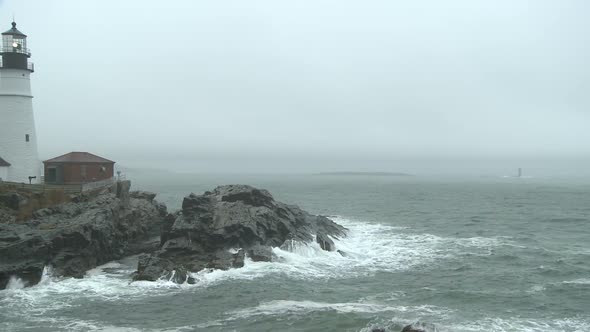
x=14 y=31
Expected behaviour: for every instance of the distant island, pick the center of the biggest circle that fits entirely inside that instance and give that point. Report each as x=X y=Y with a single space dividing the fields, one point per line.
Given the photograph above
x=366 y=173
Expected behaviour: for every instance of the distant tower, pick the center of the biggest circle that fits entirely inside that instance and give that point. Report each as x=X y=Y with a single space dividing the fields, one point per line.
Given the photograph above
x=18 y=139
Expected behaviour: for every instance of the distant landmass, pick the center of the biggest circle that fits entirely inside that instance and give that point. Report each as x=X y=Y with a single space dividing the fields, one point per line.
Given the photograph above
x=366 y=173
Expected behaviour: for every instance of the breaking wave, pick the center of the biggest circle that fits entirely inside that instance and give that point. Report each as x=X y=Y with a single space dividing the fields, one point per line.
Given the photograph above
x=368 y=249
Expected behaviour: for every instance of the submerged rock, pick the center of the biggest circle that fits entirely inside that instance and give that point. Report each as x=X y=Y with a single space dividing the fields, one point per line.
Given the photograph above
x=78 y=236
x=210 y=228
x=420 y=327
x=415 y=327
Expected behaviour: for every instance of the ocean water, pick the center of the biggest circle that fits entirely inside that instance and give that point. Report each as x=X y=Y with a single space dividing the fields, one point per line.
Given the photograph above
x=473 y=254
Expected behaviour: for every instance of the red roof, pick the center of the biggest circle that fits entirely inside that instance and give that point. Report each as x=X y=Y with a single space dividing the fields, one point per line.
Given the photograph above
x=79 y=157
x=4 y=162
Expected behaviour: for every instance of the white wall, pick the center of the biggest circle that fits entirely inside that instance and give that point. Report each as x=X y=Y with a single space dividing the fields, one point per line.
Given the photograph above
x=16 y=121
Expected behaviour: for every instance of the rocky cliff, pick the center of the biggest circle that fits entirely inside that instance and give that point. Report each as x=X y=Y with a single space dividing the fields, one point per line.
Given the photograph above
x=217 y=229
x=75 y=237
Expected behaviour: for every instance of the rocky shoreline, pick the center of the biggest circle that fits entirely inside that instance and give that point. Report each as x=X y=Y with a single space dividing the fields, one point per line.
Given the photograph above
x=218 y=229
x=75 y=237
x=215 y=230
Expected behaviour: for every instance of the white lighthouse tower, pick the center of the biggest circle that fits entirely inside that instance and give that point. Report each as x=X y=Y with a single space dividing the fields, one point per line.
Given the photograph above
x=19 y=161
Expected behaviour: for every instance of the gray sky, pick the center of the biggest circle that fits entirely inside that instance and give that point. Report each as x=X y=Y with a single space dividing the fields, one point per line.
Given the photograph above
x=310 y=85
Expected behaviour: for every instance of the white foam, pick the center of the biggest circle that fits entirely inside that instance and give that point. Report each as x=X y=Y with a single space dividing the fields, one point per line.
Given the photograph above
x=536 y=289
x=282 y=307
x=81 y=325
x=517 y=324
x=15 y=283
x=583 y=281
x=368 y=248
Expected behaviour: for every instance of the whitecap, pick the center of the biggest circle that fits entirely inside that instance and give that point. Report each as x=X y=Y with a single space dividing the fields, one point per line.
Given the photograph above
x=518 y=324
x=582 y=281
x=283 y=307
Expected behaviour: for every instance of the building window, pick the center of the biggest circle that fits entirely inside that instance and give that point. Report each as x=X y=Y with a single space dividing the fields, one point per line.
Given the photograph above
x=27 y=137
x=83 y=171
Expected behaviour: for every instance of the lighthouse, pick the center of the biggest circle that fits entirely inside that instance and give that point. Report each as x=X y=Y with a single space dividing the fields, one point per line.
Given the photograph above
x=19 y=161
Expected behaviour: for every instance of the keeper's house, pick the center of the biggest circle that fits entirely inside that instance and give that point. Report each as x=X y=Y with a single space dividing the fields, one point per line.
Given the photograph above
x=77 y=168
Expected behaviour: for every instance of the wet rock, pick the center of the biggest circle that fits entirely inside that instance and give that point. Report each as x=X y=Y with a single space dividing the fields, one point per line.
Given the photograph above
x=8 y=236
x=420 y=327
x=410 y=328
x=7 y=216
x=12 y=200
x=151 y=268
x=239 y=259
x=149 y=196
x=179 y=276
x=325 y=242
x=260 y=253
x=211 y=225
x=224 y=260
x=75 y=237
x=42 y=213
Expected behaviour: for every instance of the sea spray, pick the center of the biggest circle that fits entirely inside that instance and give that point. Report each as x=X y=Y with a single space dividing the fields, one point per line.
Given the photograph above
x=15 y=283
x=369 y=248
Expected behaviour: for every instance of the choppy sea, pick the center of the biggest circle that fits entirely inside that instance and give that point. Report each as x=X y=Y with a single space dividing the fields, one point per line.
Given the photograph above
x=465 y=254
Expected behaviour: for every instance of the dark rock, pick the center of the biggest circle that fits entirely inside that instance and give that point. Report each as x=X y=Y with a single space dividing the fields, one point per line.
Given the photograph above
x=151 y=268
x=12 y=200
x=245 y=194
x=410 y=328
x=75 y=237
x=224 y=260
x=239 y=259
x=42 y=213
x=179 y=276
x=149 y=196
x=211 y=225
x=378 y=329
x=420 y=327
x=8 y=236
x=325 y=242
x=7 y=216
x=260 y=253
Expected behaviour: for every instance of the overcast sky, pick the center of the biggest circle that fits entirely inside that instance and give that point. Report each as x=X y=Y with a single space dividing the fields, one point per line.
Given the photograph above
x=310 y=85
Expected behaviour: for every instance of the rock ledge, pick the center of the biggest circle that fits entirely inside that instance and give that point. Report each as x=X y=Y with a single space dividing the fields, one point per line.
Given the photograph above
x=218 y=229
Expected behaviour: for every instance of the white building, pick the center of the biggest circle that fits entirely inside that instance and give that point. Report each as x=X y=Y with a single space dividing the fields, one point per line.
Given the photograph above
x=19 y=161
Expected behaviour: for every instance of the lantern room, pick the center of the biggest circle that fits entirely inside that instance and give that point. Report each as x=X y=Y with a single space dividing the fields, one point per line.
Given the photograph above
x=14 y=50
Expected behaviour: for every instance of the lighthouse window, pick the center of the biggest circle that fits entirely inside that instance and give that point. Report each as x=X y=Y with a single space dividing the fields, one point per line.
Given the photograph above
x=27 y=137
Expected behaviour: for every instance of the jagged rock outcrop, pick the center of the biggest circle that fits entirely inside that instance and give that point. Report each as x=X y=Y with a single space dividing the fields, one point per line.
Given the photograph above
x=75 y=237
x=216 y=230
x=260 y=253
